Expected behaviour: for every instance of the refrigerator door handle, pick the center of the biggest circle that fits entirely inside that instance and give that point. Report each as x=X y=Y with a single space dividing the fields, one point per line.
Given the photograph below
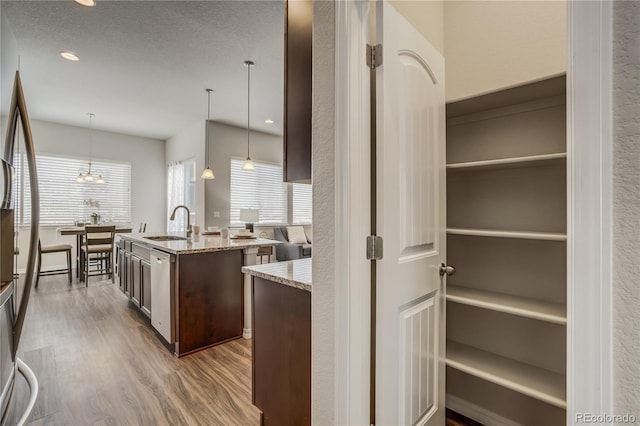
x=18 y=108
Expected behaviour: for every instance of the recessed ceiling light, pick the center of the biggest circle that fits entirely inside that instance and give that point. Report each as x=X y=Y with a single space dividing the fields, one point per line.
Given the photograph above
x=68 y=55
x=268 y=121
x=86 y=2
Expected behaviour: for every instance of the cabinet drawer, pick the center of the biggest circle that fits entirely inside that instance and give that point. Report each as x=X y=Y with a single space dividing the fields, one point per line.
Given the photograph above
x=141 y=251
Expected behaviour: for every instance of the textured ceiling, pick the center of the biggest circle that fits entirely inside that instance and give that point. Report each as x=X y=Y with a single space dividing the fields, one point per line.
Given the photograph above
x=144 y=65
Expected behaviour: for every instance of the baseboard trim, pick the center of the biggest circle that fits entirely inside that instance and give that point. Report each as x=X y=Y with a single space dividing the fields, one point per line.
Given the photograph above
x=477 y=413
x=246 y=333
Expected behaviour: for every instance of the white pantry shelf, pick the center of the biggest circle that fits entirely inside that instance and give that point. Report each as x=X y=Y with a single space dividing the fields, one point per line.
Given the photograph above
x=526 y=379
x=530 y=308
x=525 y=161
x=550 y=236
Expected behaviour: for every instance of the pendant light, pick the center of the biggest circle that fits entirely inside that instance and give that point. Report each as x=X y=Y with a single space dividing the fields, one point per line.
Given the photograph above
x=207 y=172
x=248 y=164
x=88 y=176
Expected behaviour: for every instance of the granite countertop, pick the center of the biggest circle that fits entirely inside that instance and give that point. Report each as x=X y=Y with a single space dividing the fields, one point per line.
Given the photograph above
x=294 y=273
x=198 y=243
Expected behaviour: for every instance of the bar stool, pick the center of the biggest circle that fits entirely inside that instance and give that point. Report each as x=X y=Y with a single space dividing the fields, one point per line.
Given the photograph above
x=58 y=248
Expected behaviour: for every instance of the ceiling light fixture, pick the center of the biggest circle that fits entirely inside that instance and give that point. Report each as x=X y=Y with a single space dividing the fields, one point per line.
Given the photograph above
x=69 y=55
x=86 y=2
x=87 y=176
x=207 y=173
x=268 y=121
x=248 y=164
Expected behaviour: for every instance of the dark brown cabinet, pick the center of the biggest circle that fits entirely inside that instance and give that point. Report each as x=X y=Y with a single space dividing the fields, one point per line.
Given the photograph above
x=297 y=90
x=136 y=284
x=204 y=294
x=145 y=277
x=134 y=274
x=123 y=271
x=128 y=274
x=210 y=299
x=281 y=353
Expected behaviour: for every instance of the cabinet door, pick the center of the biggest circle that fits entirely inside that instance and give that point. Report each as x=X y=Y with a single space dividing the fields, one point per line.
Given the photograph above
x=127 y=273
x=145 y=276
x=297 y=89
x=122 y=270
x=136 y=273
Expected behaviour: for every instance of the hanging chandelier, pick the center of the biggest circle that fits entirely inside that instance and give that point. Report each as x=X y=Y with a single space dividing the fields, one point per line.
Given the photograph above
x=207 y=173
x=87 y=176
x=248 y=163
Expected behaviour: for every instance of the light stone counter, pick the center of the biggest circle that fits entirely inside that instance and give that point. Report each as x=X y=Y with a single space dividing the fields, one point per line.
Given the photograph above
x=294 y=273
x=198 y=243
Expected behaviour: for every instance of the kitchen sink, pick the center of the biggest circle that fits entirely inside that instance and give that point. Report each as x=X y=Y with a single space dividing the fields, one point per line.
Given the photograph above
x=165 y=238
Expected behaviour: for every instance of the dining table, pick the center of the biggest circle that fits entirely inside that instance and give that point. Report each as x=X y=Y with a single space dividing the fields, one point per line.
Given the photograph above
x=78 y=231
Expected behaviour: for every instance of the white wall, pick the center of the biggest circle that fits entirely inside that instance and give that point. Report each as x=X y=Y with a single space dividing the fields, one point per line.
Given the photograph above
x=497 y=44
x=185 y=145
x=226 y=142
x=427 y=17
x=626 y=212
x=148 y=174
x=323 y=176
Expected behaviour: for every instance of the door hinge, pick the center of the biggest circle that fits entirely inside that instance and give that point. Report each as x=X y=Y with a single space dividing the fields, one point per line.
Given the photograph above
x=374 y=247
x=374 y=56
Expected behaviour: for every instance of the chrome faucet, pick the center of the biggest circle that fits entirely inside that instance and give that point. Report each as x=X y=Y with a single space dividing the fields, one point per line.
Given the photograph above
x=173 y=217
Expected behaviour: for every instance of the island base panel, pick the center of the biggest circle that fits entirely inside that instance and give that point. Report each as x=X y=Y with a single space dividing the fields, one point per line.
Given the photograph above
x=281 y=353
x=210 y=299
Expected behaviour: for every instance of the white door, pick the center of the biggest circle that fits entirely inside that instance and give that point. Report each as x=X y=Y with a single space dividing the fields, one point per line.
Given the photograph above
x=410 y=321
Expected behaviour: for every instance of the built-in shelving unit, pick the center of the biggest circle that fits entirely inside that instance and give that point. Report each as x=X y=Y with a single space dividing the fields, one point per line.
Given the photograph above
x=506 y=237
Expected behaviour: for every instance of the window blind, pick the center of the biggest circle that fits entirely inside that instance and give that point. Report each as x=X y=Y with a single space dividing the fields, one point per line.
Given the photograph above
x=63 y=200
x=16 y=185
x=260 y=189
x=302 y=206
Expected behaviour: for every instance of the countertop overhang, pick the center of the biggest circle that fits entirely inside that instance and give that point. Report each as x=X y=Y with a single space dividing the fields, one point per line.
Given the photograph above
x=294 y=273
x=197 y=243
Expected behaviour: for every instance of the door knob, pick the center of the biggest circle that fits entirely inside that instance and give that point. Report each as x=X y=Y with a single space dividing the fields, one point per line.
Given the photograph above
x=448 y=270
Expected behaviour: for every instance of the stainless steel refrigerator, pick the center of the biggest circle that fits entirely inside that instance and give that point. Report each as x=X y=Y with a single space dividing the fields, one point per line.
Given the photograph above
x=14 y=302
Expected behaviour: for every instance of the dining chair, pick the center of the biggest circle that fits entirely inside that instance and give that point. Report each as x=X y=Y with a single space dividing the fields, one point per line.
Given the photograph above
x=58 y=248
x=97 y=249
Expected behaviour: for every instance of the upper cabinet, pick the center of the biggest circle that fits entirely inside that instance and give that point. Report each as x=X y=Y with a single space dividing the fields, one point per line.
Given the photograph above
x=297 y=91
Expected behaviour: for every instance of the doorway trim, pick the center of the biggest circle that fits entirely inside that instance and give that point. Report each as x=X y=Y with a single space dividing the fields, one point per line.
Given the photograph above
x=589 y=212
x=352 y=188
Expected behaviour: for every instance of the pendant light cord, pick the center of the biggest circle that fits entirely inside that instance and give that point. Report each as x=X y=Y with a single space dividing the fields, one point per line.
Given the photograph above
x=249 y=65
x=90 y=138
x=206 y=146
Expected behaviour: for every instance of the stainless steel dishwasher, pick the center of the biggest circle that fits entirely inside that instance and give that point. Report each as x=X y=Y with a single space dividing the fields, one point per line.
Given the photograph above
x=161 y=293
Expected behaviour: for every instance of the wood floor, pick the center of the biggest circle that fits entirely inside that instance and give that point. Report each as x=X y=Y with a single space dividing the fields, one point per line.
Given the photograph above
x=99 y=363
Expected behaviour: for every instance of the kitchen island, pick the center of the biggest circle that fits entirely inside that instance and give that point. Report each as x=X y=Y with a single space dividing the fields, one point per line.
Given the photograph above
x=281 y=353
x=192 y=290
